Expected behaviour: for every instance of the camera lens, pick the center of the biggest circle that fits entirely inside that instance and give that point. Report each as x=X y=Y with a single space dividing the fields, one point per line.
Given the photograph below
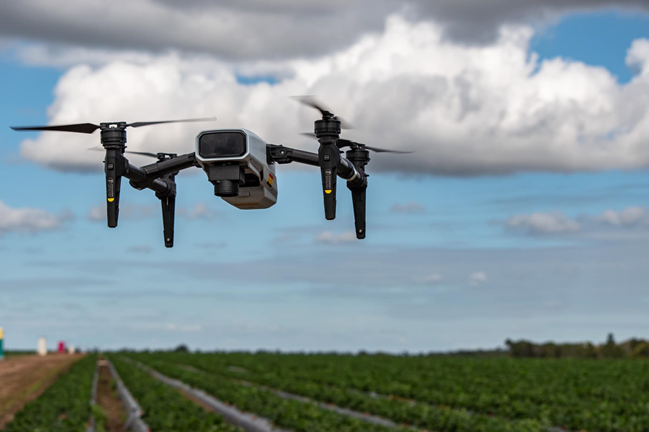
x=226 y=188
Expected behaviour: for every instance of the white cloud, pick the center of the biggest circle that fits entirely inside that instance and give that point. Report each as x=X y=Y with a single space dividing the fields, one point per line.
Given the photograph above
x=559 y=223
x=637 y=56
x=330 y=238
x=478 y=278
x=96 y=213
x=30 y=220
x=542 y=223
x=631 y=216
x=410 y=207
x=465 y=110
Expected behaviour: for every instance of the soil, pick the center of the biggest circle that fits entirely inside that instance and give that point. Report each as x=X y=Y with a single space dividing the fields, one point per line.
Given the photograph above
x=24 y=378
x=109 y=402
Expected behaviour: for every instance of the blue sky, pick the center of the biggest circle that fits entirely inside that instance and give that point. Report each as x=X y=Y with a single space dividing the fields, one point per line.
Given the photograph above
x=444 y=265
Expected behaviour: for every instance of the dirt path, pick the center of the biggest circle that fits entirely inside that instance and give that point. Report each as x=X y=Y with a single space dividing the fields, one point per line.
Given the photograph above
x=24 y=378
x=108 y=401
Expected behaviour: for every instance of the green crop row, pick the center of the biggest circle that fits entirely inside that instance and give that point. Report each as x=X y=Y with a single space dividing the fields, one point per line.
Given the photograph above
x=63 y=407
x=165 y=409
x=425 y=416
x=290 y=414
x=602 y=396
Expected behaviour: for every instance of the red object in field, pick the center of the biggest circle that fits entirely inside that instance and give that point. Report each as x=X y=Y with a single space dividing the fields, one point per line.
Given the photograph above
x=61 y=347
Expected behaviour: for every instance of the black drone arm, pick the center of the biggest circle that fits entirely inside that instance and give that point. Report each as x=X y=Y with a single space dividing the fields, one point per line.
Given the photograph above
x=159 y=177
x=152 y=176
x=346 y=169
x=351 y=169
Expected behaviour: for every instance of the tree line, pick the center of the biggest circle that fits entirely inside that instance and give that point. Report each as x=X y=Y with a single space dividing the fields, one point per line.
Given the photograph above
x=633 y=348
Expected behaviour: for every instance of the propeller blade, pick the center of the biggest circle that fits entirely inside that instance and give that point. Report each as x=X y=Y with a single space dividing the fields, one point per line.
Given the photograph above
x=86 y=128
x=344 y=124
x=380 y=150
x=312 y=102
x=347 y=143
x=140 y=124
x=153 y=155
x=101 y=149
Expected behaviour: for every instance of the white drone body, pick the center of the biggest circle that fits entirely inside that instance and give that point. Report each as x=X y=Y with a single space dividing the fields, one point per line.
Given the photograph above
x=236 y=162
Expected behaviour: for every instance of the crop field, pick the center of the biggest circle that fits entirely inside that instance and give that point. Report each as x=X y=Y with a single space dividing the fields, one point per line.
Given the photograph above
x=64 y=406
x=164 y=408
x=24 y=377
x=295 y=392
x=433 y=393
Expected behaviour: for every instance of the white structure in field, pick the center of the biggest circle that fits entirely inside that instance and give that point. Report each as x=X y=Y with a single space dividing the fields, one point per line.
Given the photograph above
x=71 y=349
x=42 y=346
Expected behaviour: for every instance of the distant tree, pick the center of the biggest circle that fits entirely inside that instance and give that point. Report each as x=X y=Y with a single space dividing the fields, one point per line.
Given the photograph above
x=550 y=350
x=610 y=349
x=182 y=348
x=590 y=350
x=521 y=348
x=633 y=343
x=641 y=350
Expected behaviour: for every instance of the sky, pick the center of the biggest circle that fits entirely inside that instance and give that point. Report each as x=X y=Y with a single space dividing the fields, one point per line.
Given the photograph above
x=522 y=213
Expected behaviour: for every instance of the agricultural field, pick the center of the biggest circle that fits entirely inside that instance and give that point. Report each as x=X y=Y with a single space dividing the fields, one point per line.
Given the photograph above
x=164 y=408
x=433 y=393
x=64 y=406
x=330 y=392
x=24 y=377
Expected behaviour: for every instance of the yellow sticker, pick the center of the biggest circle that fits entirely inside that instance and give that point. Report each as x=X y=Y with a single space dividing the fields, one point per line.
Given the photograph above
x=328 y=191
x=1 y=333
x=270 y=179
x=111 y=199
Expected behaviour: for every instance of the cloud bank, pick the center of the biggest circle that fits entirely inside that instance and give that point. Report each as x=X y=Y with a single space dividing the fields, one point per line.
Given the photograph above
x=465 y=110
x=542 y=223
x=259 y=29
x=557 y=223
x=29 y=220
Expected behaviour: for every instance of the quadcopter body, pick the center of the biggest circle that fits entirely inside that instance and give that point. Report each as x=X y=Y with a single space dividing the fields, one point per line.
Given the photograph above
x=236 y=163
x=240 y=165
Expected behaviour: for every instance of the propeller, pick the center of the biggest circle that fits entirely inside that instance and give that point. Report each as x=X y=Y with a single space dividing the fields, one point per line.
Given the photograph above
x=89 y=128
x=353 y=144
x=327 y=130
x=113 y=139
x=312 y=102
x=86 y=128
x=101 y=149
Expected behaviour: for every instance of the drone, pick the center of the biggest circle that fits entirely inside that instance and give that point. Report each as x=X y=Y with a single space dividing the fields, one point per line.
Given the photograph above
x=239 y=164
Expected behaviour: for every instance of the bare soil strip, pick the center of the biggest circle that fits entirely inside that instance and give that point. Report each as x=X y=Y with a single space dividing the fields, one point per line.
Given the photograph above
x=108 y=400
x=24 y=378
